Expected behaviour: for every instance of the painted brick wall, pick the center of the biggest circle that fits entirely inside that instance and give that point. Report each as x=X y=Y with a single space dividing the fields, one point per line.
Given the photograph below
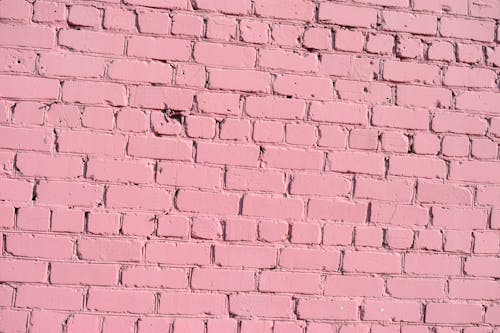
x=250 y=166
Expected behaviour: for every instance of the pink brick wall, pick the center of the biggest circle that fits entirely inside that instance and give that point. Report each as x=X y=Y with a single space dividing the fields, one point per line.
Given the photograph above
x=249 y=166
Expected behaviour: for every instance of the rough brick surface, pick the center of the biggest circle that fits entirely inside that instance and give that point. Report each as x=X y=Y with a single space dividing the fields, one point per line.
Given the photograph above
x=250 y=166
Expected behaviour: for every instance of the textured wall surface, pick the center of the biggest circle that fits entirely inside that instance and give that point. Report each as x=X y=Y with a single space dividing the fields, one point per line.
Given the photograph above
x=250 y=166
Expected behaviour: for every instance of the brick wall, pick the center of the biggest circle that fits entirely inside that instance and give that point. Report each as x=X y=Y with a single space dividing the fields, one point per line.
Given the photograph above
x=249 y=166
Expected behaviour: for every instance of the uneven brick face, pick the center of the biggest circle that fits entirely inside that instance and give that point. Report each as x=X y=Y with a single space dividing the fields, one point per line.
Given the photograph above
x=270 y=166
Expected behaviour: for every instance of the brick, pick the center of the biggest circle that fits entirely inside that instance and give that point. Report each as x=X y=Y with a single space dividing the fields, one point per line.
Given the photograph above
x=478 y=101
x=36 y=165
x=239 y=80
x=450 y=313
x=469 y=77
x=423 y=97
x=254 y=31
x=118 y=19
x=408 y=22
x=268 y=131
x=279 y=108
x=332 y=136
x=85 y=16
x=352 y=285
x=300 y=134
x=273 y=231
x=349 y=66
x=469 y=29
x=173 y=226
x=221 y=28
x=416 y=288
x=200 y=127
x=53 y=298
x=456 y=146
x=474 y=171
x=292 y=10
x=45 y=11
x=250 y=180
x=303 y=86
x=159 y=148
x=23 y=271
x=178 y=253
x=290 y=61
x=92 y=41
x=459 y=123
x=309 y=259
x=84 y=274
x=432 y=264
x=23 y=87
x=350 y=16
x=441 y=51
x=380 y=43
x=372 y=262
x=17 y=61
x=71 y=65
x=484 y=148
x=109 y=249
x=227 y=55
x=339 y=112
x=299 y=283
x=234 y=256
x=482 y=266
x=350 y=41
x=411 y=72
x=326 y=309
x=412 y=167
x=159 y=48
x=235 y=7
x=305 y=233
x=474 y=289
x=126 y=70
x=366 y=139
x=275 y=157
x=435 y=192
x=154 y=277
x=208 y=203
x=88 y=92
x=271 y=306
x=153 y=22
x=86 y=142
x=115 y=300
x=354 y=162
x=14 y=10
x=404 y=215
x=395 y=142
x=182 y=175
x=469 y=53
x=317 y=38
x=442 y=6
x=337 y=210
x=27 y=35
x=33 y=218
x=392 y=311
x=222 y=279
x=320 y=184
x=189 y=25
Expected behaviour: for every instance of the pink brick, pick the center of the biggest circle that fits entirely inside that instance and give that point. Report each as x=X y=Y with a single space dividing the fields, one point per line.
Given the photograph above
x=246 y=179
x=117 y=19
x=154 y=277
x=295 y=9
x=318 y=38
x=254 y=31
x=272 y=306
x=233 y=256
x=153 y=22
x=222 y=279
x=189 y=25
x=325 y=309
x=450 y=313
x=312 y=259
x=346 y=285
x=109 y=250
x=85 y=16
x=177 y=254
x=469 y=29
x=347 y=40
x=413 y=23
x=53 y=298
x=416 y=288
x=159 y=48
x=235 y=7
x=351 y=16
x=303 y=86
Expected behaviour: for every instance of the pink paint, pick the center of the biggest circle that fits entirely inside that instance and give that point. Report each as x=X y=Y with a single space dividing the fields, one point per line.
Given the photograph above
x=249 y=166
